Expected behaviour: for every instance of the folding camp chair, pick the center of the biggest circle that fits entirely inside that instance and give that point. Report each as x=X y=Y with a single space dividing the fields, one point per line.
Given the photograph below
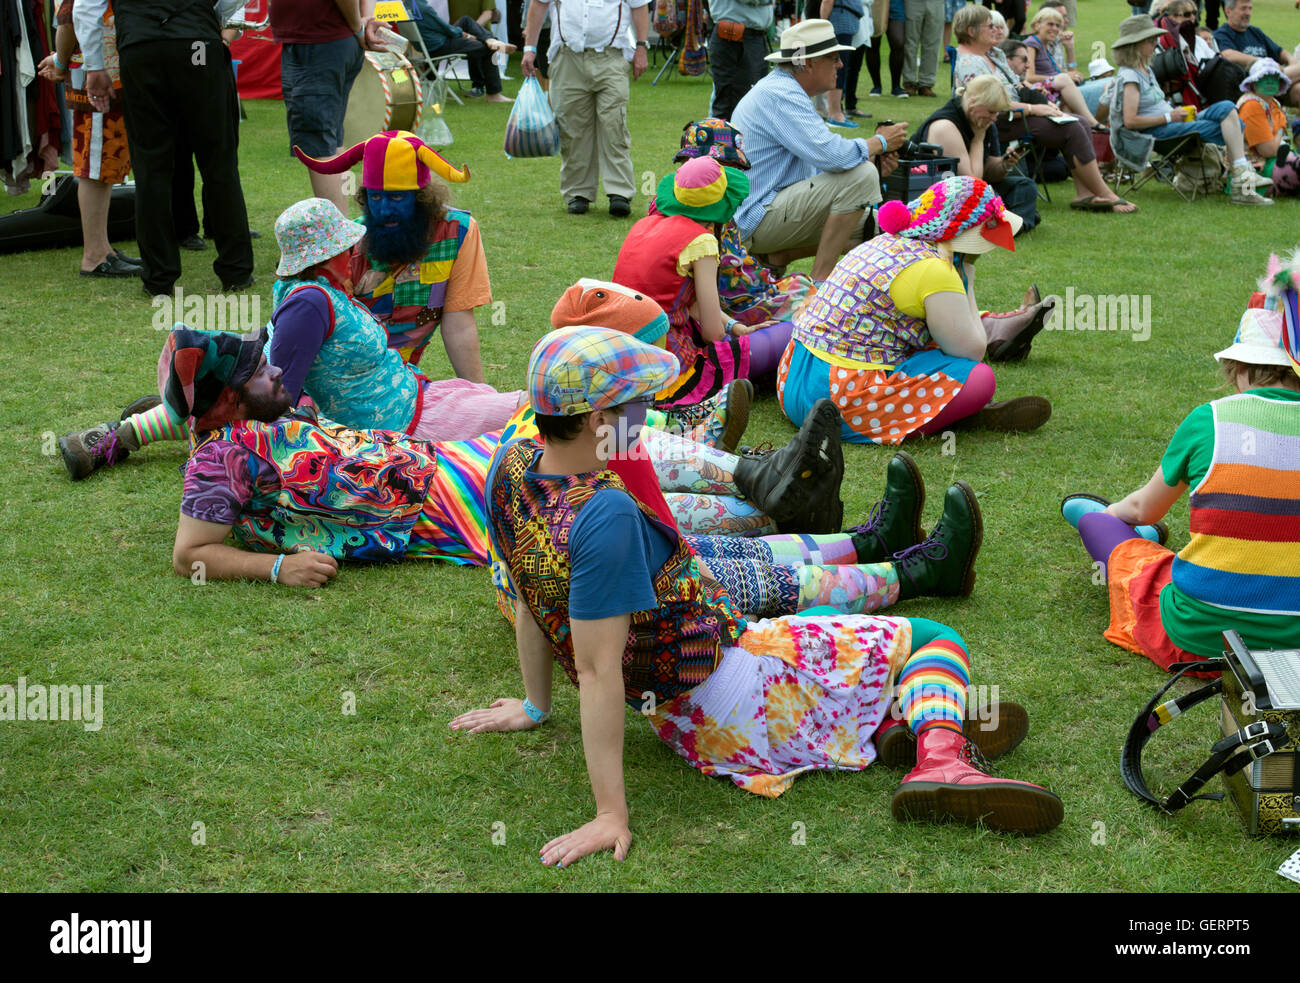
x=1162 y=166
x=428 y=68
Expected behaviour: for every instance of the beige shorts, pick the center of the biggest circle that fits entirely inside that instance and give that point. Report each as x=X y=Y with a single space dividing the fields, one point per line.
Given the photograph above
x=796 y=216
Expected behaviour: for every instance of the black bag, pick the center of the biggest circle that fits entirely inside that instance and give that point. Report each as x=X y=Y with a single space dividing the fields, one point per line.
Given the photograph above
x=1220 y=79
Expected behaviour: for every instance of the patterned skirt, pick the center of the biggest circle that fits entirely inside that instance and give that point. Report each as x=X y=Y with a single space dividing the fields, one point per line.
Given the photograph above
x=878 y=406
x=706 y=366
x=794 y=694
x=1137 y=570
x=452 y=524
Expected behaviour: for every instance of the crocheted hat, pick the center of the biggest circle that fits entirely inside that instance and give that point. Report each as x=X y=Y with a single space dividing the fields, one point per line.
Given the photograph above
x=198 y=372
x=313 y=231
x=702 y=189
x=950 y=208
x=1262 y=68
x=714 y=138
x=581 y=369
x=395 y=160
x=611 y=305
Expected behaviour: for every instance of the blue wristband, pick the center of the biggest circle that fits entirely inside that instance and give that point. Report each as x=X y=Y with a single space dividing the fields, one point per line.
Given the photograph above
x=730 y=325
x=275 y=570
x=58 y=64
x=535 y=715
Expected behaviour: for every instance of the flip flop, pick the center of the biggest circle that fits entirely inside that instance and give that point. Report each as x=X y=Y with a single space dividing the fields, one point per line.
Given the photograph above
x=1108 y=206
x=1081 y=204
x=1075 y=507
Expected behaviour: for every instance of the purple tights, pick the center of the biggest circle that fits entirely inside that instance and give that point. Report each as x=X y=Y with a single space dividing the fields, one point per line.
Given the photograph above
x=766 y=346
x=1101 y=532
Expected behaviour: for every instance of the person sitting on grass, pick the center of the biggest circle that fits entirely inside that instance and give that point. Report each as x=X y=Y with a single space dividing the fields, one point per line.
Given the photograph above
x=1265 y=127
x=747 y=290
x=1140 y=114
x=756 y=702
x=671 y=255
x=1238 y=455
x=978 y=54
x=895 y=337
x=964 y=128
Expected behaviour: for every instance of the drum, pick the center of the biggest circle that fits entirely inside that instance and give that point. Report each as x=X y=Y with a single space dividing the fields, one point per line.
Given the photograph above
x=385 y=96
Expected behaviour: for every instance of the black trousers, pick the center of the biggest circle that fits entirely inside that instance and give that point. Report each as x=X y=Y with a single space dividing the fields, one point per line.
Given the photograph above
x=737 y=66
x=184 y=90
x=483 y=72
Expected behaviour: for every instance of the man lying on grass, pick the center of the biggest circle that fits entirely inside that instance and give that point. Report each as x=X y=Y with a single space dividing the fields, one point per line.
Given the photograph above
x=618 y=600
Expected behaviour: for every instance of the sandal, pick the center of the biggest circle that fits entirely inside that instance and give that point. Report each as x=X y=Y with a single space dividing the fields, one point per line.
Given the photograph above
x=1081 y=204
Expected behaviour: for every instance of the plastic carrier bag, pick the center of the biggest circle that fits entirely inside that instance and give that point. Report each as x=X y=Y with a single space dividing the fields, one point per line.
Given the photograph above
x=531 y=130
x=433 y=128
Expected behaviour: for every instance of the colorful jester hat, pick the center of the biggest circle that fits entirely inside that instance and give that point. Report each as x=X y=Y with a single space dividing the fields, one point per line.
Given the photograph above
x=963 y=209
x=391 y=161
x=1281 y=287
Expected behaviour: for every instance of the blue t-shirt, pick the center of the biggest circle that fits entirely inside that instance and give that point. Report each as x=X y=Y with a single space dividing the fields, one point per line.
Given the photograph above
x=614 y=554
x=1251 y=41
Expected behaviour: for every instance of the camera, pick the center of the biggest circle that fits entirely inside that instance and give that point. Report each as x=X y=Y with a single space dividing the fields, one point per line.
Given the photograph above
x=919 y=151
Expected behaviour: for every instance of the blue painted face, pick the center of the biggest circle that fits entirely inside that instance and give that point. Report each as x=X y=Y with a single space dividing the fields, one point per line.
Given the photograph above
x=391 y=207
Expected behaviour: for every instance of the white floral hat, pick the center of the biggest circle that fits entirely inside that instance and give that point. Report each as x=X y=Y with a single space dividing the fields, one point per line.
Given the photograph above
x=313 y=231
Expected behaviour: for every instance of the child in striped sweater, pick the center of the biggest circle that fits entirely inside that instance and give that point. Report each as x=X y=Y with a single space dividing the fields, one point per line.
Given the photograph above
x=1240 y=457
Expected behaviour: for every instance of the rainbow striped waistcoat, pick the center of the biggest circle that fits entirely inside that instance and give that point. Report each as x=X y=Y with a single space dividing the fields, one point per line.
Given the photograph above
x=1244 y=554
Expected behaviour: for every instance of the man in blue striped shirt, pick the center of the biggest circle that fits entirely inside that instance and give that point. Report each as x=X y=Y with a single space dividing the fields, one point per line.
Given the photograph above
x=809 y=188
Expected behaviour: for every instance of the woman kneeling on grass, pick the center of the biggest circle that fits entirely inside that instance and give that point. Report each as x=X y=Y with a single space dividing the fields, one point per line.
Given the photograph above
x=758 y=703
x=1240 y=456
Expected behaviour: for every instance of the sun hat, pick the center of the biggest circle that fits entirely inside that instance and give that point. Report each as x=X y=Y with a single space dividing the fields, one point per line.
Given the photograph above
x=581 y=369
x=714 y=138
x=198 y=372
x=1258 y=340
x=703 y=190
x=1135 y=30
x=1261 y=68
x=313 y=231
x=962 y=209
x=612 y=305
x=395 y=160
x=807 y=39
x=1099 y=67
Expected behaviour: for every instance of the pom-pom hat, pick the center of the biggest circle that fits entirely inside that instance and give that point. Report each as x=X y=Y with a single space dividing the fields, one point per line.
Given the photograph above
x=581 y=369
x=395 y=160
x=702 y=189
x=964 y=210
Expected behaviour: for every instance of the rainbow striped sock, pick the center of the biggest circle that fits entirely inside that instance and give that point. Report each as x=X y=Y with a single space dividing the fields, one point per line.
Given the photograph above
x=932 y=686
x=157 y=424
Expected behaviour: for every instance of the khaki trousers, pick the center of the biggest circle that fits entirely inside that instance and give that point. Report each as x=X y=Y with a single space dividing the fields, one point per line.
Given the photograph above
x=798 y=213
x=589 y=92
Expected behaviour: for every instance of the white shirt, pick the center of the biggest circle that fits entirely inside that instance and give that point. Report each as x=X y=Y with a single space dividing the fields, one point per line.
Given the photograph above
x=88 y=25
x=592 y=25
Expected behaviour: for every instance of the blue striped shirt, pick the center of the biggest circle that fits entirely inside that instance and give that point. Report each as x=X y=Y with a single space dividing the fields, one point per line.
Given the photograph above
x=786 y=142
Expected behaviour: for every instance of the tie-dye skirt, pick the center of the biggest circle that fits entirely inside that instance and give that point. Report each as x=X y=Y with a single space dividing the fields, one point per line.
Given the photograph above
x=794 y=694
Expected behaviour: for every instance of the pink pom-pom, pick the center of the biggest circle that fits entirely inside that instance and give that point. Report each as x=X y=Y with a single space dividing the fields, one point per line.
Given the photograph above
x=893 y=217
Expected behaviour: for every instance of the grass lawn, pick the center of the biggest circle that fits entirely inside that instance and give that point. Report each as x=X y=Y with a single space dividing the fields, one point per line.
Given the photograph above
x=224 y=702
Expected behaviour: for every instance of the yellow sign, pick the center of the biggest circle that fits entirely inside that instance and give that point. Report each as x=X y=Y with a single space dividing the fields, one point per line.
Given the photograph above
x=399 y=75
x=391 y=11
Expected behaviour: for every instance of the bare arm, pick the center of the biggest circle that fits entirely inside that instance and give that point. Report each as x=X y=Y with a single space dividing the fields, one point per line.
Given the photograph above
x=460 y=338
x=532 y=31
x=1133 y=121
x=958 y=331
x=1149 y=503
x=535 y=659
x=641 y=28
x=708 y=308
x=1240 y=57
x=598 y=654
x=947 y=136
x=204 y=544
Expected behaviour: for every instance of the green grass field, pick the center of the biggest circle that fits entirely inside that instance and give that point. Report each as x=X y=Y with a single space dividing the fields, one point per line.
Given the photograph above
x=224 y=702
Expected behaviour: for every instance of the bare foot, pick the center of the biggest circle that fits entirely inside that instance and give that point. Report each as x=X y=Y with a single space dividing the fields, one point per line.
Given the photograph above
x=498 y=98
x=498 y=45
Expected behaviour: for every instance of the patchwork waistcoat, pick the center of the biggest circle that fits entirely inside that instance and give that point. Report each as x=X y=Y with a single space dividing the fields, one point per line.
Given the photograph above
x=852 y=315
x=669 y=650
x=410 y=300
x=354 y=494
x=1244 y=553
x=356 y=377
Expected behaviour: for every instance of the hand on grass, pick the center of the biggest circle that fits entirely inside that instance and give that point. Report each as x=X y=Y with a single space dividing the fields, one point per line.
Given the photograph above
x=309 y=569
x=605 y=832
x=504 y=714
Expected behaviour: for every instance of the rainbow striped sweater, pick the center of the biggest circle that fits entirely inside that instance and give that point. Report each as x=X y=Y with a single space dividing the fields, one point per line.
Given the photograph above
x=1244 y=554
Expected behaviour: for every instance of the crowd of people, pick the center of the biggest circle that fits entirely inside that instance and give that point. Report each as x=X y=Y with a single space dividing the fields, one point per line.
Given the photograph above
x=631 y=538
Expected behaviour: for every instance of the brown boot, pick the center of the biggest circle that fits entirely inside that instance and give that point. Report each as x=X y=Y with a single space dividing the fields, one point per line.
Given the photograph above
x=1009 y=415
